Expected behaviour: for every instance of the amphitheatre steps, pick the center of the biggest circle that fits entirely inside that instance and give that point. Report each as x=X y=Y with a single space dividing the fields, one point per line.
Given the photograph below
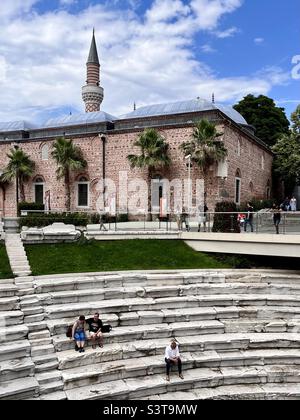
x=238 y=331
x=198 y=378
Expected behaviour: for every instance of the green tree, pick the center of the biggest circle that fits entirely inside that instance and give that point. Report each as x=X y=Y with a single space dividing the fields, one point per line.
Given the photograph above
x=287 y=159
x=296 y=120
x=205 y=148
x=20 y=167
x=69 y=158
x=269 y=120
x=154 y=156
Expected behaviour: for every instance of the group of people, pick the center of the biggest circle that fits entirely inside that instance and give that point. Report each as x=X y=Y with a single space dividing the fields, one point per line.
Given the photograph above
x=87 y=329
x=289 y=204
x=91 y=329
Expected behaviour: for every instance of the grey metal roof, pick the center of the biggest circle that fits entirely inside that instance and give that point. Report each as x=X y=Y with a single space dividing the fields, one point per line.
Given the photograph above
x=183 y=107
x=79 y=119
x=93 y=55
x=16 y=126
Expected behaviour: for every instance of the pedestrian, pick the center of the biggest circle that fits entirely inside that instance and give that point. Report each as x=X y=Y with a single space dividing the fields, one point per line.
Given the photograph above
x=293 y=204
x=202 y=217
x=185 y=220
x=286 y=204
x=95 y=335
x=78 y=333
x=277 y=210
x=172 y=357
x=249 y=218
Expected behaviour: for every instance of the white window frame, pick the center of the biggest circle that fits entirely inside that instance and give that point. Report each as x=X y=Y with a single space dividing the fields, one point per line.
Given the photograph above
x=88 y=194
x=42 y=149
x=235 y=190
x=36 y=184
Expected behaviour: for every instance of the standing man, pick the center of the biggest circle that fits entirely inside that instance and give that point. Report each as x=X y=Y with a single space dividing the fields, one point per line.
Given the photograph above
x=95 y=324
x=172 y=357
x=249 y=219
x=276 y=210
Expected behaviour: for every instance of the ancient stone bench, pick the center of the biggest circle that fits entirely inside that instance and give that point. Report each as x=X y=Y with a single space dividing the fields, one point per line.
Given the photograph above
x=55 y=233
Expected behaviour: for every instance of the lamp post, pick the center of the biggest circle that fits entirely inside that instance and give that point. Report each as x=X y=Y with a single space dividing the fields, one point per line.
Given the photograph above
x=188 y=158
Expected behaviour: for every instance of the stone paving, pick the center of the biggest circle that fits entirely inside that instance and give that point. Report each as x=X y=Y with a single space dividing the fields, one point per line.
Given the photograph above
x=238 y=330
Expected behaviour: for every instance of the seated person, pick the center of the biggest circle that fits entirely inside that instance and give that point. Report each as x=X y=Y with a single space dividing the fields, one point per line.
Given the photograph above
x=172 y=357
x=78 y=333
x=95 y=324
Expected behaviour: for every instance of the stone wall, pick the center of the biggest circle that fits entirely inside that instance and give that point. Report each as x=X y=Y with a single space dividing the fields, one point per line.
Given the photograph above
x=119 y=144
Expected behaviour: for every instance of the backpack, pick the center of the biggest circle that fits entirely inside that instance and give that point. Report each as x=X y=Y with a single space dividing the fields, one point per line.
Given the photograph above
x=106 y=328
x=69 y=331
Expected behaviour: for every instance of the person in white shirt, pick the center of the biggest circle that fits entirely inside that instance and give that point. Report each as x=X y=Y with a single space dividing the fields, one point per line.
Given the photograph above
x=172 y=357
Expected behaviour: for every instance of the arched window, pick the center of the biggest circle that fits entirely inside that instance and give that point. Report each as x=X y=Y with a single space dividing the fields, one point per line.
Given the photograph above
x=39 y=190
x=251 y=187
x=83 y=187
x=238 y=185
x=45 y=152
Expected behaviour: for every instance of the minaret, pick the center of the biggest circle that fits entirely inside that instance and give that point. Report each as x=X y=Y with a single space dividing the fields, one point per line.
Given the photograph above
x=92 y=92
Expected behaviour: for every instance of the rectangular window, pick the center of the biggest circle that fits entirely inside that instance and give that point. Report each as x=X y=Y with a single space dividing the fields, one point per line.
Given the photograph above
x=39 y=194
x=83 y=195
x=237 y=191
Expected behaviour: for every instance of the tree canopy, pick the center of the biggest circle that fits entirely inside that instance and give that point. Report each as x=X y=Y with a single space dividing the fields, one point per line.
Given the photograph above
x=269 y=120
x=296 y=120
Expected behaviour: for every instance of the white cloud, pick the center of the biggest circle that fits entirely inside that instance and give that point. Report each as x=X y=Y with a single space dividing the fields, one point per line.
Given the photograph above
x=147 y=60
x=259 y=41
x=15 y=7
x=227 y=33
x=208 y=48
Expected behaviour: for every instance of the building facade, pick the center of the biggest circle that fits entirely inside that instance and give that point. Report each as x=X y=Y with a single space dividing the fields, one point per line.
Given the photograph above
x=106 y=141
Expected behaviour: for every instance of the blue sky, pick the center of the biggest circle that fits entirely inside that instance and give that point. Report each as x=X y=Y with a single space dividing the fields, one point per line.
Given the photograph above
x=151 y=51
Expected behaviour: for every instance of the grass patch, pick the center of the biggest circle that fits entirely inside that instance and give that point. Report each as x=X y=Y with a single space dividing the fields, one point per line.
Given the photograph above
x=5 y=270
x=117 y=256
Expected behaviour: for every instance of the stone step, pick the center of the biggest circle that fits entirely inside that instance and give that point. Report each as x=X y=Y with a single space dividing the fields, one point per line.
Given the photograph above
x=234 y=392
x=42 y=350
x=93 y=295
x=48 y=377
x=41 y=342
x=16 y=369
x=14 y=350
x=188 y=344
x=39 y=335
x=37 y=326
x=8 y=290
x=54 y=396
x=11 y=318
x=46 y=367
x=149 y=304
x=22 y=273
x=32 y=310
x=44 y=359
x=19 y=389
x=152 y=365
x=9 y=304
x=127 y=334
x=193 y=379
x=14 y=332
x=33 y=318
x=51 y=387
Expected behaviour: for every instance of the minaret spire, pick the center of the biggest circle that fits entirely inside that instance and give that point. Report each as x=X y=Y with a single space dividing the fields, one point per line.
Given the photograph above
x=92 y=92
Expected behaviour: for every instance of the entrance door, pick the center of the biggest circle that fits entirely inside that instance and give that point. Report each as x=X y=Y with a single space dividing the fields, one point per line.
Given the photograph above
x=157 y=194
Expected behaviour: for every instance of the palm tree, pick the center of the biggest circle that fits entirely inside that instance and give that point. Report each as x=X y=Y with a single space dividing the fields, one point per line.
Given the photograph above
x=204 y=148
x=20 y=167
x=154 y=156
x=68 y=158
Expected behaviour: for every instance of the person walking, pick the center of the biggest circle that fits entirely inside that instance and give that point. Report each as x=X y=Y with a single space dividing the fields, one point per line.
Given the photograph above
x=202 y=217
x=78 y=333
x=172 y=357
x=293 y=204
x=249 y=218
x=277 y=210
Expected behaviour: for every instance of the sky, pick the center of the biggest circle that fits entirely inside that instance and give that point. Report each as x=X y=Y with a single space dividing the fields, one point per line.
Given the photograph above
x=152 y=51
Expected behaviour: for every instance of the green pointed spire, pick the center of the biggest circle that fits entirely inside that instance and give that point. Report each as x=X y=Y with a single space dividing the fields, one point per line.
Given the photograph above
x=93 y=55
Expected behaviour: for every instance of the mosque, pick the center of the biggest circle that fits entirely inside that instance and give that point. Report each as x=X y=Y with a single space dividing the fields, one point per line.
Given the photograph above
x=106 y=141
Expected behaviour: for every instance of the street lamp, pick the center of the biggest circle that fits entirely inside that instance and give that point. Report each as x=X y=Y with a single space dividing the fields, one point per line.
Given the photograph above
x=188 y=158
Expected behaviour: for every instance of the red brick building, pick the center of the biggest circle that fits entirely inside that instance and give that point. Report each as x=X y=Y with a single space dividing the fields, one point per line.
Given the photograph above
x=106 y=141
